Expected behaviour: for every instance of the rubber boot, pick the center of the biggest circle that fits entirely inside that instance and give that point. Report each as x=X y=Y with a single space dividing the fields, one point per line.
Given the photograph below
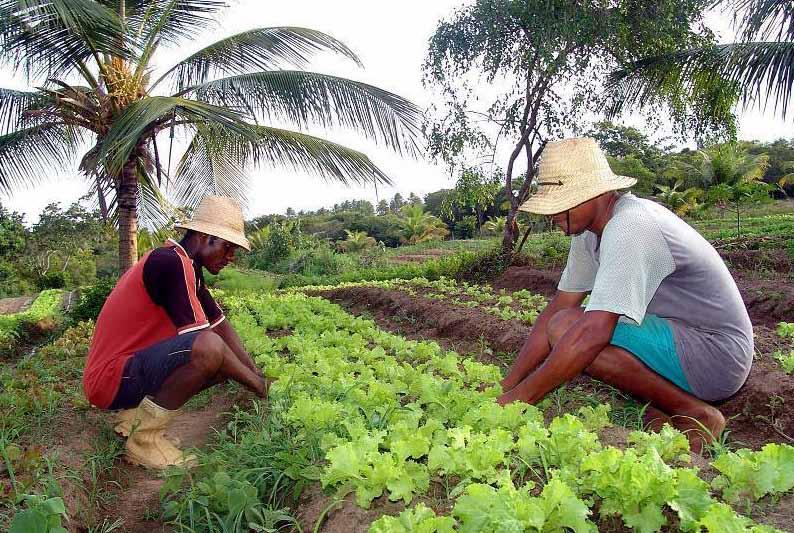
x=125 y=420
x=147 y=445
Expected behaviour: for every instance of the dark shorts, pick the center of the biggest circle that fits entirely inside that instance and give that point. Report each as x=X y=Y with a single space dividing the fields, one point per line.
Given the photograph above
x=146 y=371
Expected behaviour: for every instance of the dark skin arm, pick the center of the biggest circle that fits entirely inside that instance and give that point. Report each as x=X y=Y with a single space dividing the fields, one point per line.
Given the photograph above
x=537 y=347
x=572 y=354
x=226 y=331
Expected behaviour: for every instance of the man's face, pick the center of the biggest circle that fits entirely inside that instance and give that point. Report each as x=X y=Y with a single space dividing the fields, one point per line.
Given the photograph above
x=217 y=253
x=580 y=218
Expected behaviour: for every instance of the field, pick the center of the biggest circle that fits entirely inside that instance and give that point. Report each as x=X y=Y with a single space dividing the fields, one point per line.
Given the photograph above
x=382 y=417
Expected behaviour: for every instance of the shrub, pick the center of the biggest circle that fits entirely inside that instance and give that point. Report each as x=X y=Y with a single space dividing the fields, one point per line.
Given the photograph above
x=91 y=300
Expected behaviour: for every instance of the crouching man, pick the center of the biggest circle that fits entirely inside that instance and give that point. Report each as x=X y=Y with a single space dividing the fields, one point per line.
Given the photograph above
x=665 y=321
x=160 y=338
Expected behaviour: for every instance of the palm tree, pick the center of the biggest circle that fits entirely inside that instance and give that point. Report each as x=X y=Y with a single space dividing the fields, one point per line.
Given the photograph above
x=356 y=241
x=759 y=67
x=104 y=102
x=419 y=226
x=678 y=201
x=727 y=163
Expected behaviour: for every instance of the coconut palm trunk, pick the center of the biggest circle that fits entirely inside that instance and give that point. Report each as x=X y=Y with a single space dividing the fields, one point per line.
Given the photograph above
x=128 y=216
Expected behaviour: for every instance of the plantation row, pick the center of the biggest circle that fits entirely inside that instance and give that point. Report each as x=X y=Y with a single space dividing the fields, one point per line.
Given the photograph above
x=12 y=327
x=370 y=413
x=519 y=305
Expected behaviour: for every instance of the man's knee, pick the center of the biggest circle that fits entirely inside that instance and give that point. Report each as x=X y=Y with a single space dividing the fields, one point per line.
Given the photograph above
x=208 y=352
x=560 y=322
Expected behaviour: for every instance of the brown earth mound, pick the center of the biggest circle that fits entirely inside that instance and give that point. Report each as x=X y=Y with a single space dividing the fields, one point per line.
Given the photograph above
x=760 y=412
x=435 y=318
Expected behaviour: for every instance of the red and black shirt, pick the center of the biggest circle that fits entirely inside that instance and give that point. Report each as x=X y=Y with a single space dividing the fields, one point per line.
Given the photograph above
x=163 y=295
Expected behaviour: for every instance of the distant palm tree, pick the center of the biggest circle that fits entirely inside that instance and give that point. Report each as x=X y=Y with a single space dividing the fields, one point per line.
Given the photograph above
x=758 y=67
x=102 y=103
x=729 y=163
x=678 y=201
x=419 y=226
x=356 y=241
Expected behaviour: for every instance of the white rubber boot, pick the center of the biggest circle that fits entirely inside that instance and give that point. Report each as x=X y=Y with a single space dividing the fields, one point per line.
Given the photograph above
x=147 y=445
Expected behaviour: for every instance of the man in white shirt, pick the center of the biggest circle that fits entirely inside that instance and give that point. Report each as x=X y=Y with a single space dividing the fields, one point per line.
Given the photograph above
x=665 y=321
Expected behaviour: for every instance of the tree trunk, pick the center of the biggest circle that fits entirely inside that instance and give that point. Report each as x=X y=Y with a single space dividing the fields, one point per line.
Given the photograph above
x=128 y=216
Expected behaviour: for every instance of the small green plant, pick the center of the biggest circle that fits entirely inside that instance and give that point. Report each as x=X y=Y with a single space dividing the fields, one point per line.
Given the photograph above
x=41 y=515
x=786 y=360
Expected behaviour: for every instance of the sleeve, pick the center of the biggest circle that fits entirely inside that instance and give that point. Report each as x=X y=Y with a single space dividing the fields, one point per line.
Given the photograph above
x=171 y=284
x=580 y=271
x=634 y=260
x=211 y=308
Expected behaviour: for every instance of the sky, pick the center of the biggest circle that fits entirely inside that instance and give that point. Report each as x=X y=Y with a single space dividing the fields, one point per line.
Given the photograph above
x=391 y=40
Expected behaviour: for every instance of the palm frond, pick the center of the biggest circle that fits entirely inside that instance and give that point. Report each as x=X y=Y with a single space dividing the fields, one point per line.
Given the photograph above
x=148 y=115
x=213 y=149
x=308 y=98
x=13 y=106
x=259 y=49
x=760 y=71
x=765 y=19
x=29 y=155
x=55 y=37
x=210 y=166
x=184 y=18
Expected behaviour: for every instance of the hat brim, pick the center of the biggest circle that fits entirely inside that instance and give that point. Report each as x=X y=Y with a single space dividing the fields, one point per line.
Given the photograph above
x=216 y=231
x=553 y=199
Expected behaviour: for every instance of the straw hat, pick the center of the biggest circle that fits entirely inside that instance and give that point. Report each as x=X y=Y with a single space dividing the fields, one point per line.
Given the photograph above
x=219 y=216
x=572 y=171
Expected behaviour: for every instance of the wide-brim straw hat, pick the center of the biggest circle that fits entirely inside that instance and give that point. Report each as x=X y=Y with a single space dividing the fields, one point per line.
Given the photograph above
x=571 y=172
x=219 y=216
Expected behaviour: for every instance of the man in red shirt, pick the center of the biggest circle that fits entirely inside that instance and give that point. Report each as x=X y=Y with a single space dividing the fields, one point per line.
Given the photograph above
x=160 y=338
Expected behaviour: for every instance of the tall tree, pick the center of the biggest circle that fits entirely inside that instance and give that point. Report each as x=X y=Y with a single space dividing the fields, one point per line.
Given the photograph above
x=553 y=57
x=218 y=97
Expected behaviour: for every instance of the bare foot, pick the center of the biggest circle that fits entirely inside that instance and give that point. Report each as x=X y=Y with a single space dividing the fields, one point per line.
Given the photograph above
x=654 y=419
x=701 y=428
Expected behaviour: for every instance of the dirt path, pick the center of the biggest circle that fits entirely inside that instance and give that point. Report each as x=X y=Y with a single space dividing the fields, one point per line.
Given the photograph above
x=762 y=411
x=9 y=306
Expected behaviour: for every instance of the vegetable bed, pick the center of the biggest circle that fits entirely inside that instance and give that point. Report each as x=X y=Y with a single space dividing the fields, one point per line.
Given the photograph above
x=375 y=418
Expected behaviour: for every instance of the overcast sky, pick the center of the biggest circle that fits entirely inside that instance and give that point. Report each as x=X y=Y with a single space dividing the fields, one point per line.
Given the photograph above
x=391 y=39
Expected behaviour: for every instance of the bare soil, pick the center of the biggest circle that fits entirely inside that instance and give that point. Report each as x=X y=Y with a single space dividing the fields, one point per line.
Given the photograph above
x=132 y=492
x=9 y=306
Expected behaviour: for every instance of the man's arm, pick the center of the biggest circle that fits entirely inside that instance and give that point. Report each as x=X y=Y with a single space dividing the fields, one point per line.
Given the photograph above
x=574 y=352
x=536 y=348
x=232 y=339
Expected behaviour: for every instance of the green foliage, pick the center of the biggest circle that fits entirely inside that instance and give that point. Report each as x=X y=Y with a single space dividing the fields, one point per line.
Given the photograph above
x=419 y=226
x=370 y=413
x=356 y=241
x=91 y=300
x=417 y=518
x=484 y=508
x=754 y=474
x=233 y=280
x=41 y=515
x=43 y=315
